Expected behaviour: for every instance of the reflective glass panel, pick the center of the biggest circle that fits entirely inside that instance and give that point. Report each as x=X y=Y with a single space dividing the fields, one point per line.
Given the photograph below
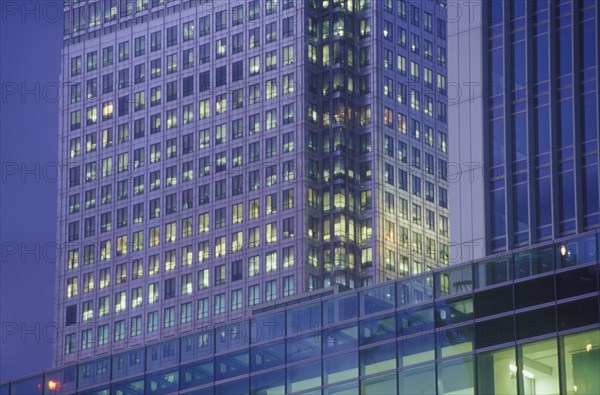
x=580 y=363
x=377 y=329
x=497 y=372
x=378 y=359
x=94 y=372
x=233 y=387
x=196 y=374
x=230 y=365
x=339 y=309
x=303 y=347
x=339 y=338
x=456 y=376
x=267 y=356
x=267 y=328
x=419 y=380
x=340 y=368
x=342 y=389
x=538 y=368
x=417 y=349
x=304 y=376
x=416 y=290
x=197 y=345
x=377 y=299
x=455 y=341
x=161 y=383
x=303 y=318
x=380 y=385
x=272 y=383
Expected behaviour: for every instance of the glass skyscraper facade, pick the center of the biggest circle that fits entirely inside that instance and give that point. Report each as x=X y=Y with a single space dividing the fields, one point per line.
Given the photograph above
x=218 y=155
x=529 y=108
x=526 y=322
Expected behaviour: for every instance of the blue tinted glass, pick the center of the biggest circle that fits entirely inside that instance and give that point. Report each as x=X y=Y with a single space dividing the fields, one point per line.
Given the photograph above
x=267 y=356
x=162 y=354
x=197 y=345
x=518 y=54
x=541 y=4
x=231 y=365
x=377 y=329
x=197 y=374
x=377 y=299
x=535 y=261
x=340 y=309
x=590 y=187
x=4 y=389
x=161 y=383
x=519 y=137
x=96 y=391
x=544 y=206
x=521 y=205
x=378 y=359
x=497 y=72
x=130 y=387
x=340 y=338
x=518 y=8
x=448 y=312
x=94 y=372
x=340 y=368
x=268 y=383
x=494 y=11
x=304 y=376
x=454 y=281
x=493 y=272
x=415 y=291
x=588 y=43
x=67 y=378
x=267 y=328
x=128 y=363
x=232 y=336
x=543 y=130
x=567 y=204
x=34 y=385
x=234 y=387
x=499 y=216
x=455 y=341
x=589 y=112
x=303 y=347
x=303 y=318
x=497 y=147
x=417 y=349
x=565 y=115
x=565 y=49
x=541 y=59
x=415 y=320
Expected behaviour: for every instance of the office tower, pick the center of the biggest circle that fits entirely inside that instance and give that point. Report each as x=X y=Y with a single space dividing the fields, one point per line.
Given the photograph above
x=468 y=328
x=220 y=155
x=526 y=154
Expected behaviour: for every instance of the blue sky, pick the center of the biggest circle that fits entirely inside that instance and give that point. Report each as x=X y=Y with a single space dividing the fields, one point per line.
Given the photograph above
x=30 y=45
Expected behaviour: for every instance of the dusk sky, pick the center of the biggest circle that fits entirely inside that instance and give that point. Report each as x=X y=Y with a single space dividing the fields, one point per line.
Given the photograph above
x=30 y=42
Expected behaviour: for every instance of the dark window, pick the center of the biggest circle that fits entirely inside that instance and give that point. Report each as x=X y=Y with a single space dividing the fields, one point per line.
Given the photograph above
x=236 y=270
x=221 y=76
x=237 y=72
x=169 y=288
x=536 y=323
x=71 y=316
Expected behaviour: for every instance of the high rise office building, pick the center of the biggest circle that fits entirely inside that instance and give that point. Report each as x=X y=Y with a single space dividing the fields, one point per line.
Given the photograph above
x=223 y=154
x=525 y=158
